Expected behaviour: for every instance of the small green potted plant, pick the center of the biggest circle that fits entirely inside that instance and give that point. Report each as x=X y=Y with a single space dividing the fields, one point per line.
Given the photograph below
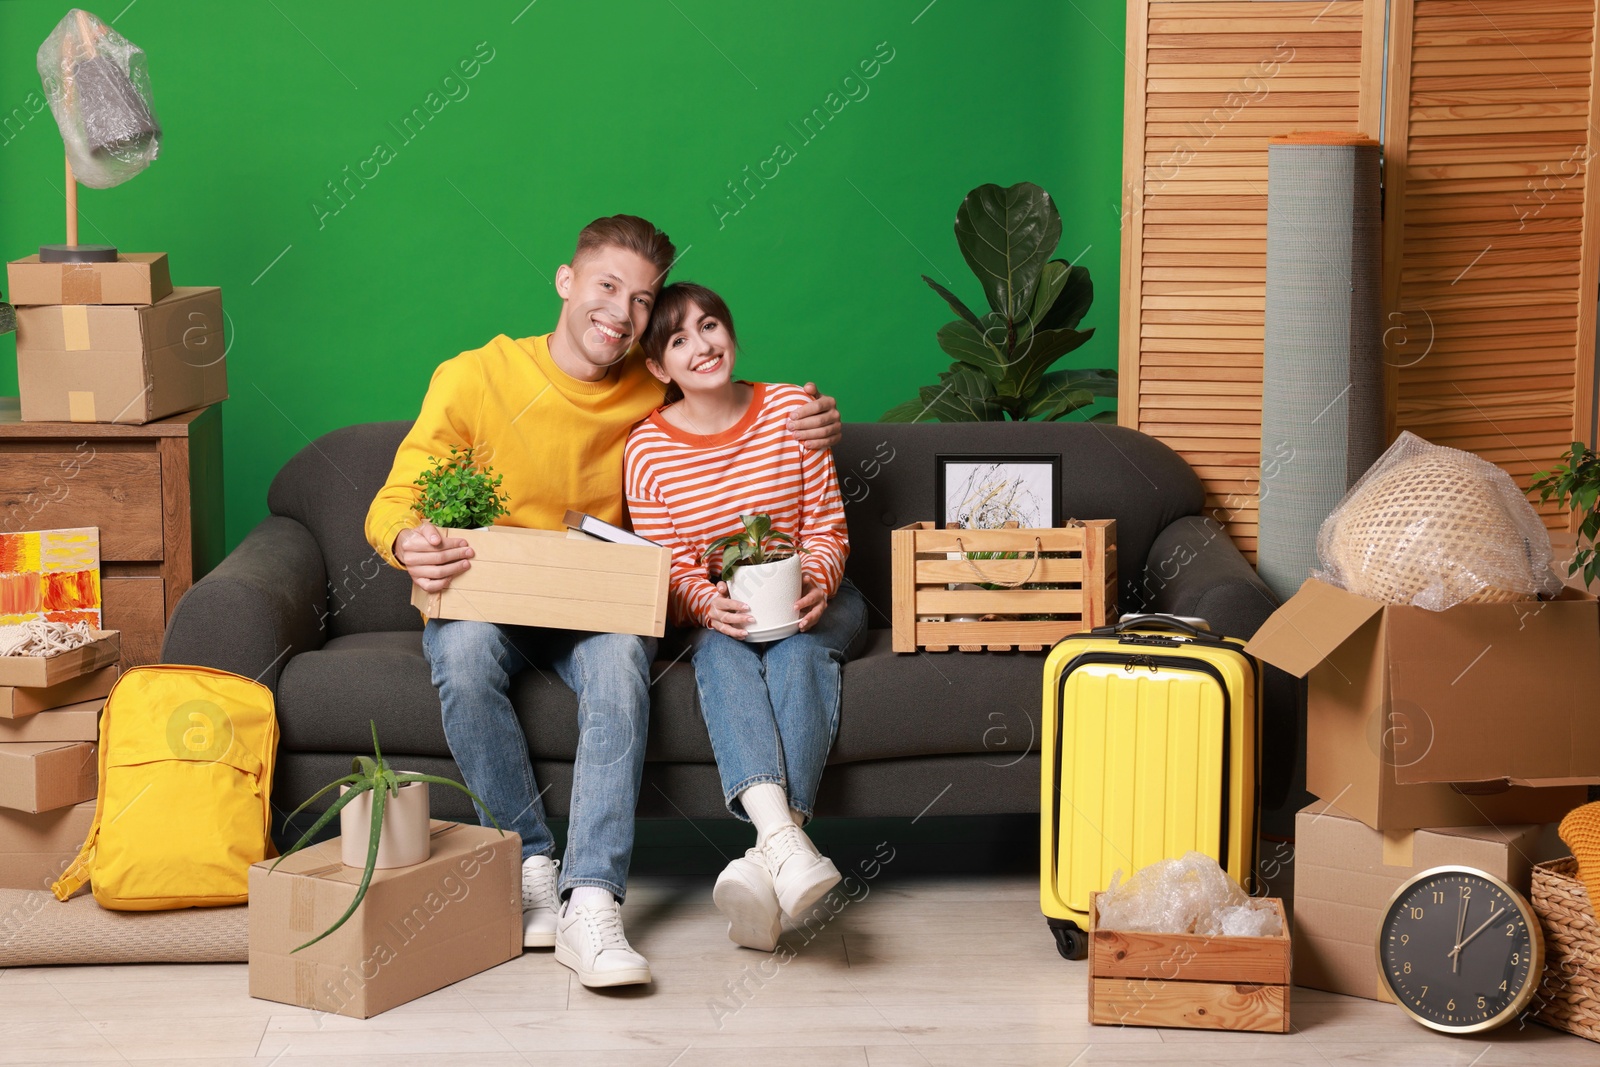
x=459 y=493
x=1576 y=480
x=373 y=784
x=762 y=569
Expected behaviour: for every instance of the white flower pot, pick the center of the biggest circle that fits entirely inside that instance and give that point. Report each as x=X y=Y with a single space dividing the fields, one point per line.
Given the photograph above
x=405 y=839
x=771 y=590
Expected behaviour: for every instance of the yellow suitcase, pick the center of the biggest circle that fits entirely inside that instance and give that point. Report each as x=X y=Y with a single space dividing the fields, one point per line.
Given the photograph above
x=1150 y=751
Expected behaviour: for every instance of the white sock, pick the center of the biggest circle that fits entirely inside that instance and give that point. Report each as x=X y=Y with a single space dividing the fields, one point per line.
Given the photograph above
x=799 y=820
x=768 y=807
x=587 y=894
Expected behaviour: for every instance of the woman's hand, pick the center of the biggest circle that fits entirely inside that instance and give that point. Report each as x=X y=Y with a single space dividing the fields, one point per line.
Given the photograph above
x=729 y=616
x=817 y=425
x=812 y=603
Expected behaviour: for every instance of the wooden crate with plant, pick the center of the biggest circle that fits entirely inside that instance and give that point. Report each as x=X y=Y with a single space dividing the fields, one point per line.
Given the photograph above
x=523 y=577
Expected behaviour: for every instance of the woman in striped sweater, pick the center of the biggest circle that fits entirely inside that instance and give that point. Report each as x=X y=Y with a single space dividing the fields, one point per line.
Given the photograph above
x=717 y=450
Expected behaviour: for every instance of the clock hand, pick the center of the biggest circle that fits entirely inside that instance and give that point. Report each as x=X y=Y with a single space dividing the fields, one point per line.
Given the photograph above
x=1456 y=951
x=1461 y=924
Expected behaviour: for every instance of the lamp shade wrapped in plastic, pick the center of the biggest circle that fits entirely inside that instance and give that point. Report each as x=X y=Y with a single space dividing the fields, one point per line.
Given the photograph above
x=98 y=86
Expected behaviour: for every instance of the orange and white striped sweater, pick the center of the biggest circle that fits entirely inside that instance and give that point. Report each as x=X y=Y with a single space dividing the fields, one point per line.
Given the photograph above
x=686 y=490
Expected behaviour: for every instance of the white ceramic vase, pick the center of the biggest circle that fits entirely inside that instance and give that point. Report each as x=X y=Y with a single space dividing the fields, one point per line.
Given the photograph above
x=771 y=590
x=404 y=841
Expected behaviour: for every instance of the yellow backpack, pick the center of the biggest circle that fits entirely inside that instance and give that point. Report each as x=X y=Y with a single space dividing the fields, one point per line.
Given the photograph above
x=184 y=808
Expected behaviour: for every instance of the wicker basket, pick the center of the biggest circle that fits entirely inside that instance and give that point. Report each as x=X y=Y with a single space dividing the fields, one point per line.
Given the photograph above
x=1569 y=995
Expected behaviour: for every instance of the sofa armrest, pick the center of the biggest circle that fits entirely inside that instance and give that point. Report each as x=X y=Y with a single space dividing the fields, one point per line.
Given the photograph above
x=1194 y=568
x=264 y=604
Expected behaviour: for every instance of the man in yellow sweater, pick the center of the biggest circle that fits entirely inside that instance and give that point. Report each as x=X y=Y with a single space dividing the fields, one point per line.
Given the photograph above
x=552 y=414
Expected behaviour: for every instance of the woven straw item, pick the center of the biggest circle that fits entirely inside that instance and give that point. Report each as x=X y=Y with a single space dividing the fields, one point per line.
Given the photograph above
x=1569 y=995
x=1435 y=527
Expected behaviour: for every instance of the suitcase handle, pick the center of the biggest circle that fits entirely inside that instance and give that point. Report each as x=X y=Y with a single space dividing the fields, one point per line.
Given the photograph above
x=1165 y=622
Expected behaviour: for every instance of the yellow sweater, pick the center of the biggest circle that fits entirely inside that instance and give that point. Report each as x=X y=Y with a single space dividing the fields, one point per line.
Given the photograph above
x=556 y=440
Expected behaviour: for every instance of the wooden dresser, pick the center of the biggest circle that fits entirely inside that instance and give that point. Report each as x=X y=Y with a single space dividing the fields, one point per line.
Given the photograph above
x=155 y=492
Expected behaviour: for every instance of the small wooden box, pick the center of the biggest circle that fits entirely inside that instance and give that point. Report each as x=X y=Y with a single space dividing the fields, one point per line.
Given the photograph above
x=1187 y=980
x=1080 y=559
x=543 y=578
x=39 y=671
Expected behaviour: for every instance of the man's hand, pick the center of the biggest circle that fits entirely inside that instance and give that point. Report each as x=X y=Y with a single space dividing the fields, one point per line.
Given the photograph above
x=812 y=603
x=817 y=425
x=729 y=616
x=431 y=558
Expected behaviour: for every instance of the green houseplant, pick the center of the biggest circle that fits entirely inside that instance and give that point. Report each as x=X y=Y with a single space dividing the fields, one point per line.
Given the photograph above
x=762 y=569
x=373 y=776
x=459 y=493
x=754 y=545
x=1003 y=358
x=1577 y=480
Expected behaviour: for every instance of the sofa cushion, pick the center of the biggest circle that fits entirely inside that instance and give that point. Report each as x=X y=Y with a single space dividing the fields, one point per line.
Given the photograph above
x=895 y=705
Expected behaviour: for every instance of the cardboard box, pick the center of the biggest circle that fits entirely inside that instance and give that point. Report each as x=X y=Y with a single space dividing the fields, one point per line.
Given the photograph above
x=135 y=278
x=17 y=702
x=79 y=363
x=419 y=929
x=40 y=776
x=1480 y=714
x=1345 y=872
x=543 y=578
x=75 y=722
x=35 y=849
x=45 y=672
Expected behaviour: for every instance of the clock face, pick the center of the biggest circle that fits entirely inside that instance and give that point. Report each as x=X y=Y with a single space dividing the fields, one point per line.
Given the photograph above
x=1460 y=950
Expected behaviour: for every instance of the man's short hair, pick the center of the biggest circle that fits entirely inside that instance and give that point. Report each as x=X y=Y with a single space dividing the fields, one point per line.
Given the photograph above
x=639 y=236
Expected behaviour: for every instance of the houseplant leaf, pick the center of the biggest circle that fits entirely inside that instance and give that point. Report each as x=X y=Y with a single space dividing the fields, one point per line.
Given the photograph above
x=1069 y=304
x=379 y=798
x=1039 y=352
x=976 y=345
x=1064 y=391
x=434 y=779
x=963 y=395
x=954 y=301
x=1006 y=235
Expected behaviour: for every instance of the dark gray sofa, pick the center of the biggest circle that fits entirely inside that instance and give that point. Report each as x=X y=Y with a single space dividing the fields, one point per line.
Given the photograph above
x=306 y=606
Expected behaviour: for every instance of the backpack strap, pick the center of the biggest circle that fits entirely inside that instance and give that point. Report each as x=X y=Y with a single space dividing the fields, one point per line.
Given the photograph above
x=77 y=872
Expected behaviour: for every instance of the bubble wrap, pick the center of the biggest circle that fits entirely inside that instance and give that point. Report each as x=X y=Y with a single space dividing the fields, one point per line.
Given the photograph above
x=1192 y=895
x=1434 y=527
x=99 y=91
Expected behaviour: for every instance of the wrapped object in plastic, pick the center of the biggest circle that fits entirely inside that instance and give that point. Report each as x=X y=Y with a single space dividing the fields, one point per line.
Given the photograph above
x=98 y=86
x=1434 y=527
x=1192 y=895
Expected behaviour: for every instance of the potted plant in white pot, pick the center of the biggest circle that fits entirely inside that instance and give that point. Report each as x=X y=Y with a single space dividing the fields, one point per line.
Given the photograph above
x=762 y=569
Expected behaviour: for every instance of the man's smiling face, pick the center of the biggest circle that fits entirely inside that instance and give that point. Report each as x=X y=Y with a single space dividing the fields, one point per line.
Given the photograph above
x=607 y=295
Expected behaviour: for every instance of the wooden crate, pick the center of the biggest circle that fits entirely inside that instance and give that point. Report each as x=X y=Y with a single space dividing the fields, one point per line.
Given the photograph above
x=1187 y=980
x=35 y=672
x=544 y=578
x=923 y=572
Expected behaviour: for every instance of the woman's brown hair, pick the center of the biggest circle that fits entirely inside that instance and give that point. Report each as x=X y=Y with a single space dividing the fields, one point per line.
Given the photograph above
x=671 y=308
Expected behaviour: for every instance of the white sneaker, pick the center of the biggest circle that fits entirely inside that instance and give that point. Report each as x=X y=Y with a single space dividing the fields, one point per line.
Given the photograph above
x=589 y=940
x=745 y=895
x=540 y=904
x=800 y=876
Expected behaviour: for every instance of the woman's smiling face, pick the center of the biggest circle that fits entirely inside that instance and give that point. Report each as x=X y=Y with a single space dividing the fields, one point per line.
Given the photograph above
x=699 y=355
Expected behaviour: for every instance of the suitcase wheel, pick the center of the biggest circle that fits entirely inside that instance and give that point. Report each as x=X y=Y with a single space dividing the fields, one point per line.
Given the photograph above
x=1071 y=942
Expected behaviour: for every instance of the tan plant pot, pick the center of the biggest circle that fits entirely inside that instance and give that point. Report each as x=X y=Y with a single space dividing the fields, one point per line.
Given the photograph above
x=404 y=841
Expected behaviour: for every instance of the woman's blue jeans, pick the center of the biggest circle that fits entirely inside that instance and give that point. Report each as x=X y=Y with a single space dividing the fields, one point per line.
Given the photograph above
x=772 y=710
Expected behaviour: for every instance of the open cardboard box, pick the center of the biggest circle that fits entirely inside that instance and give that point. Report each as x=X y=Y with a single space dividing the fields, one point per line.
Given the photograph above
x=1480 y=714
x=39 y=672
x=543 y=578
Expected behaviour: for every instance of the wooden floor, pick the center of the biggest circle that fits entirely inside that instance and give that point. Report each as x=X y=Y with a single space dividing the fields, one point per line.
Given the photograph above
x=917 y=972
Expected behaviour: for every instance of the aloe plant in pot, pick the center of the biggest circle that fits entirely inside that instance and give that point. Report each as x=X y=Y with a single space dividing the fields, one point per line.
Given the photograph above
x=762 y=568
x=380 y=785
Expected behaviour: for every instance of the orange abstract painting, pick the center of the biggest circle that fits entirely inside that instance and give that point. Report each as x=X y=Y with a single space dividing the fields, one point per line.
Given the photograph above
x=50 y=574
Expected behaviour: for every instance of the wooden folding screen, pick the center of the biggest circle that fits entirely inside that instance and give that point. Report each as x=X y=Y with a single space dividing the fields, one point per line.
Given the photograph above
x=1208 y=84
x=1489 y=258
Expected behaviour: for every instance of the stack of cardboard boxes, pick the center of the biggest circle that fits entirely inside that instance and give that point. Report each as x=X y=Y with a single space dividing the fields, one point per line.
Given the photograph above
x=114 y=342
x=49 y=725
x=1433 y=738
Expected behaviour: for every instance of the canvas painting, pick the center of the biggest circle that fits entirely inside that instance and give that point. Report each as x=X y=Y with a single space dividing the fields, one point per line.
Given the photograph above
x=50 y=574
x=984 y=493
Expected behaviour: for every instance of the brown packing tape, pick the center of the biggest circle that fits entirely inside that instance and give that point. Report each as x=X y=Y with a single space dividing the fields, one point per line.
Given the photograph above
x=80 y=284
x=75 y=327
x=80 y=406
x=1397 y=848
x=302 y=905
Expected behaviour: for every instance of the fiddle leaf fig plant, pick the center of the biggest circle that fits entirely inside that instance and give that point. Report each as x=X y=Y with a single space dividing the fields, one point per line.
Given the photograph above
x=373 y=776
x=757 y=543
x=459 y=493
x=1577 y=480
x=1003 y=357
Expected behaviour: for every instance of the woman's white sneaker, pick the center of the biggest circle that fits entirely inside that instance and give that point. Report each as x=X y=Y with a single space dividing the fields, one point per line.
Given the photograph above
x=540 y=904
x=589 y=940
x=745 y=895
x=800 y=876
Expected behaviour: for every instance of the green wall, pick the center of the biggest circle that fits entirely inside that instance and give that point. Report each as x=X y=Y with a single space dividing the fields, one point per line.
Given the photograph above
x=581 y=110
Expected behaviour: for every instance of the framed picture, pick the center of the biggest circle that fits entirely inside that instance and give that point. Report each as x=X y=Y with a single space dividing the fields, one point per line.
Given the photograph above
x=986 y=492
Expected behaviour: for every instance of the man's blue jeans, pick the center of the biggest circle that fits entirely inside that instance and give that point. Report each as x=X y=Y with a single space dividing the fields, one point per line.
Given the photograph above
x=472 y=664
x=772 y=710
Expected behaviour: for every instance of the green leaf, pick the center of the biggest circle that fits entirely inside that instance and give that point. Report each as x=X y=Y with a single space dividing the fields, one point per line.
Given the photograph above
x=964 y=395
x=1040 y=351
x=977 y=347
x=314 y=797
x=379 y=798
x=954 y=301
x=406 y=779
x=1064 y=391
x=909 y=411
x=328 y=816
x=1070 y=304
x=1006 y=235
